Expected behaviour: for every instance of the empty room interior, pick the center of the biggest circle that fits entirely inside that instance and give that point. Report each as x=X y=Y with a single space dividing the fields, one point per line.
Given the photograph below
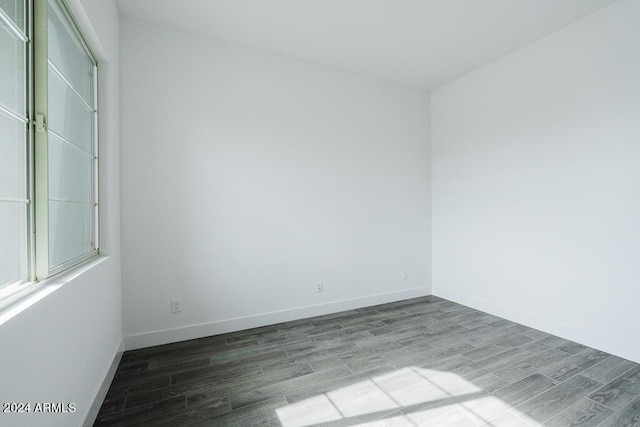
x=320 y=213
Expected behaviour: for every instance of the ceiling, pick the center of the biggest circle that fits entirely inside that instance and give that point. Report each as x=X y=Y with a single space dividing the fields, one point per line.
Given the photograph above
x=420 y=43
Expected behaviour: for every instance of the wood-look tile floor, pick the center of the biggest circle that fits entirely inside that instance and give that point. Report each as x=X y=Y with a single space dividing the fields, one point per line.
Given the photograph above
x=424 y=361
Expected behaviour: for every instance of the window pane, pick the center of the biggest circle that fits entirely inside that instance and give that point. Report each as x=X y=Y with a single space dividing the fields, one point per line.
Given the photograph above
x=70 y=142
x=13 y=157
x=12 y=72
x=68 y=116
x=14 y=9
x=13 y=147
x=70 y=171
x=67 y=54
x=69 y=231
x=13 y=251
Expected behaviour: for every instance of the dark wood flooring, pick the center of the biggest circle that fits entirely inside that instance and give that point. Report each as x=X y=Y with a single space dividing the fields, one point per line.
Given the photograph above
x=419 y=362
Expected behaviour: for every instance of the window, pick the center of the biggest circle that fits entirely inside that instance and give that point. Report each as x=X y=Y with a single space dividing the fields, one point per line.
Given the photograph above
x=48 y=143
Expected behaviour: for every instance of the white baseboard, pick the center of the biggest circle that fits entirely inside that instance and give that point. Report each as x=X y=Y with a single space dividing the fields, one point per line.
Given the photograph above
x=626 y=350
x=166 y=336
x=103 y=388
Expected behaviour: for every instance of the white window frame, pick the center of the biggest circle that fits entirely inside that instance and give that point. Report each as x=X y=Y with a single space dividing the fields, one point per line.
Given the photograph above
x=37 y=239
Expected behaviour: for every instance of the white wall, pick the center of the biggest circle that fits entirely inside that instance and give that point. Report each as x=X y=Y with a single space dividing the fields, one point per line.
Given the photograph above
x=247 y=177
x=61 y=347
x=536 y=203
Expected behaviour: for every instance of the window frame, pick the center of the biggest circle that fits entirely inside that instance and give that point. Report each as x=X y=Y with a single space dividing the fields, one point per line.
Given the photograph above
x=37 y=153
x=40 y=85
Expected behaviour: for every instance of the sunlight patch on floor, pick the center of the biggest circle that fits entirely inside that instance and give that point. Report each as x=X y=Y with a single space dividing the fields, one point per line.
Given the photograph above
x=411 y=386
x=315 y=410
x=482 y=411
x=425 y=396
x=361 y=398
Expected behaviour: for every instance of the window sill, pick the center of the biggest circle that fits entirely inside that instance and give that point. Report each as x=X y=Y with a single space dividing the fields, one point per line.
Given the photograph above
x=15 y=304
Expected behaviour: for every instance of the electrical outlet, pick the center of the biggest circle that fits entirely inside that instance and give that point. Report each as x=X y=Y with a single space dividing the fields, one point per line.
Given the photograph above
x=319 y=287
x=404 y=275
x=176 y=305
